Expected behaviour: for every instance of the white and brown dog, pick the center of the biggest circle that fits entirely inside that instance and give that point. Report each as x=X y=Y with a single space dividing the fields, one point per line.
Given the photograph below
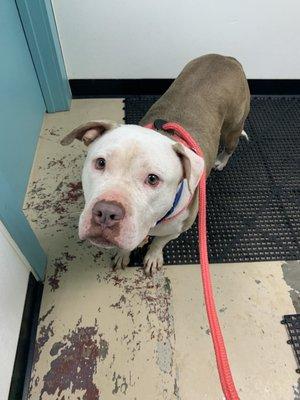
x=139 y=182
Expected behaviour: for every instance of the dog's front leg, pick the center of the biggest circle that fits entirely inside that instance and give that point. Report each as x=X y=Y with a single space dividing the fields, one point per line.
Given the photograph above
x=120 y=259
x=153 y=260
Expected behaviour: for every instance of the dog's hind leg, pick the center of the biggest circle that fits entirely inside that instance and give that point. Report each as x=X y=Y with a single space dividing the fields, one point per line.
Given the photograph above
x=230 y=141
x=222 y=160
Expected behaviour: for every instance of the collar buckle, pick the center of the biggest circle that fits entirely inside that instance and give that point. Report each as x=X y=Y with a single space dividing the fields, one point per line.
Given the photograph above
x=159 y=123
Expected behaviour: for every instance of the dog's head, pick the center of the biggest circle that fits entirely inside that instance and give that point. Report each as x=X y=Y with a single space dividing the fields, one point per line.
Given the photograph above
x=130 y=178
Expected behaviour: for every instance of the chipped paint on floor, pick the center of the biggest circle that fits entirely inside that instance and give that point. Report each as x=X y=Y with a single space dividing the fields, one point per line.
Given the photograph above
x=116 y=335
x=75 y=369
x=291 y=274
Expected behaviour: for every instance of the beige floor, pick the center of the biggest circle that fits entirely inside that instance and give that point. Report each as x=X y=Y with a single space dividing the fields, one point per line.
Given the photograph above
x=119 y=335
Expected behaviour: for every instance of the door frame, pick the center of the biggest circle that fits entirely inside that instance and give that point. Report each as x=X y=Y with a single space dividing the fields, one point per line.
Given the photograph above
x=4 y=232
x=40 y=29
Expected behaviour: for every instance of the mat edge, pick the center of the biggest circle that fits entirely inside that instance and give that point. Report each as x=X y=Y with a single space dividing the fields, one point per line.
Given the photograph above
x=85 y=88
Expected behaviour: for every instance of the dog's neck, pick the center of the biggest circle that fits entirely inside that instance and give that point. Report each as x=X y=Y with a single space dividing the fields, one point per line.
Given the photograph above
x=181 y=201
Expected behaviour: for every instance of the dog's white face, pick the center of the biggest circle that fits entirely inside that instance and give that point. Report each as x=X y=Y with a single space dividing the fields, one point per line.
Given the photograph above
x=129 y=179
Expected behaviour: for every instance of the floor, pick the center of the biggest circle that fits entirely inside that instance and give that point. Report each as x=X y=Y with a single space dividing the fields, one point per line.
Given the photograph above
x=119 y=335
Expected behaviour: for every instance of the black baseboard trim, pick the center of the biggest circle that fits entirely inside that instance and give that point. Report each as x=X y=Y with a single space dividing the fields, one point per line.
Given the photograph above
x=24 y=355
x=93 y=88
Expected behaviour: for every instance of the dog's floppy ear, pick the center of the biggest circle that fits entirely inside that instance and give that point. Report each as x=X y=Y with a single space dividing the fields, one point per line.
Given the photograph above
x=89 y=131
x=193 y=165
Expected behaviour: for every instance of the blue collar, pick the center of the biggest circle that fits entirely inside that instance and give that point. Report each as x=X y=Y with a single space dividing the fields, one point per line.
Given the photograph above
x=175 y=202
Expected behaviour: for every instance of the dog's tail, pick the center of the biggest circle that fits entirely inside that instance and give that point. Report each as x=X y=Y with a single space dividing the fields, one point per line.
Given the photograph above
x=244 y=134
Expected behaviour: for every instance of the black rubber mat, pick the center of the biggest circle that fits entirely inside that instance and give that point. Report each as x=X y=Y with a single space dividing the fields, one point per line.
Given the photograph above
x=292 y=323
x=253 y=205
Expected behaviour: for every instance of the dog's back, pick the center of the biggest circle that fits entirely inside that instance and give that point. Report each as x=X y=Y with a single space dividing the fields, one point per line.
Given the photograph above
x=209 y=98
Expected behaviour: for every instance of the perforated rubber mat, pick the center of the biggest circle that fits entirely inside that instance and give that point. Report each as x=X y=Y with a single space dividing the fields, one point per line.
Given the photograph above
x=292 y=323
x=253 y=204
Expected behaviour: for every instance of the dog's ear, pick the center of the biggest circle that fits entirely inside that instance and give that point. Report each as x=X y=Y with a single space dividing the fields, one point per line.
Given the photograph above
x=193 y=165
x=89 y=131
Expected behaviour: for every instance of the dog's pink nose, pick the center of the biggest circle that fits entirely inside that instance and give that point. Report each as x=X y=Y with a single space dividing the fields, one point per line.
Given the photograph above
x=107 y=213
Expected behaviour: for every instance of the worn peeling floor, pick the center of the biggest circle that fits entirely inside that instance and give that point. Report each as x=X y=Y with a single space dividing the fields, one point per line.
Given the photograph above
x=119 y=335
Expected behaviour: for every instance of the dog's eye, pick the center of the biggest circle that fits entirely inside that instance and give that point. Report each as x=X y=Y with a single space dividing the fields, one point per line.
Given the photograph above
x=152 y=179
x=100 y=163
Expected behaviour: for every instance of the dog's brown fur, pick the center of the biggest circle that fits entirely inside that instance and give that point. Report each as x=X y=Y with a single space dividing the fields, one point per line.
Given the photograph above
x=211 y=99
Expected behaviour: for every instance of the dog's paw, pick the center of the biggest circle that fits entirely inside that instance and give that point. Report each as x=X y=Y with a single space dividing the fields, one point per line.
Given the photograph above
x=120 y=259
x=219 y=165
x=221 y=161
x=153 y=262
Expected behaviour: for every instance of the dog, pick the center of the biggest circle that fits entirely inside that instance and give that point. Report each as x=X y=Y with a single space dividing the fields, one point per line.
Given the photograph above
x=140 y=182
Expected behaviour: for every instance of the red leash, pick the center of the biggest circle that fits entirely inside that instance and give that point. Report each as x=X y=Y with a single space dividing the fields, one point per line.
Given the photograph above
x=225 y=375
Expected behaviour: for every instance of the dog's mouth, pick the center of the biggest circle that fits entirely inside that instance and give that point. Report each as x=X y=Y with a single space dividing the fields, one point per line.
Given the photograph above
x=101 y=241
x=99 y=237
